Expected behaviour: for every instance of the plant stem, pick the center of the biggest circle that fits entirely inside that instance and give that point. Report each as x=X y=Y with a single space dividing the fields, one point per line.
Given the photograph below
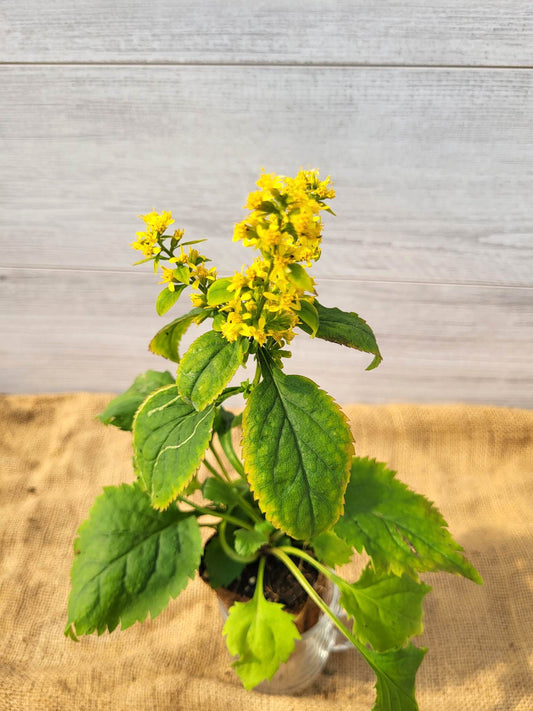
x=214 y=472
x=227 y=445
x=314 y=562
x=228 y=550
x=315 y=597
x=215 y=512
x=219 y=461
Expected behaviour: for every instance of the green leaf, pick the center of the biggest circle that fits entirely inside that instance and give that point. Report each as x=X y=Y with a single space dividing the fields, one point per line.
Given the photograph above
x=331 y=550
x=396 y=672
x=221 y=569
x=218 y=292
x=297 y=449
x=166 y=298
x=348 y=329
x=400 y=530
x=309 y=316
x=169 y=439
x=220 y=493
x=166 y=341
x=261 y=634
x=206 y=368
x=387 y=610
x=249 y=542
x=121 y=410
x=299 y=277
x=130 y=559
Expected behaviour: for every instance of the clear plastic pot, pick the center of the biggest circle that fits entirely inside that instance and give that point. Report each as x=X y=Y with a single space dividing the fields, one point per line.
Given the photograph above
x=310 y=654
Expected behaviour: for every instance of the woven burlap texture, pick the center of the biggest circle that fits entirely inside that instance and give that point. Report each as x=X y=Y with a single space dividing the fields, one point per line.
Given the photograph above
x=476 y=463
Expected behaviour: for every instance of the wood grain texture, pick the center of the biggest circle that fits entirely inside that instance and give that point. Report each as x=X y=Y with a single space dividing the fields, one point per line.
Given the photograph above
x=434 y=168
x=74 y=330
x=449 y=32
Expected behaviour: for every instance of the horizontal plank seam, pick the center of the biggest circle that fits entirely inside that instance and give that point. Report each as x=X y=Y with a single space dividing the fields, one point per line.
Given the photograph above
x=145 y=274
x=314 y=65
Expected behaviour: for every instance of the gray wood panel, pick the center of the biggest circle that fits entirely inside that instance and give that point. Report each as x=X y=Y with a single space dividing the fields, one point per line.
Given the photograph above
x=449 y=32
x=75 y=330
x=434 y=168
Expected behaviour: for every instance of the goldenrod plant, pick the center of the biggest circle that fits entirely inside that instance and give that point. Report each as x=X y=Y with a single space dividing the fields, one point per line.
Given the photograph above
x=298 y=494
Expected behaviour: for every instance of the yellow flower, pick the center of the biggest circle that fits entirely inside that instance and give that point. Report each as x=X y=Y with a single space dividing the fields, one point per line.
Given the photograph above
x=198 y=300
x=168 y=277
x=233 y=327
x=147 y=244
x=157 y=223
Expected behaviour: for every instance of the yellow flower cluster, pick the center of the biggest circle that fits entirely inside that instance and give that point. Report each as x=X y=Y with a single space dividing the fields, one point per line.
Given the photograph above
x=265 y=298
x=262 y=303
x=148 y=242
x=285 y=216
x=188 y=269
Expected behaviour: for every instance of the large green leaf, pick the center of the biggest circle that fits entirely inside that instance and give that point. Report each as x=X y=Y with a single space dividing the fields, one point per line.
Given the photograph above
x=206 y=368
x=400 y=530
x=396 y=671
x=169 y=439
x=297 y=449
x=130 y=559
x=348 y=329
x=387 y=610
x=166 y=341
x=121 y=410
x=262 y=634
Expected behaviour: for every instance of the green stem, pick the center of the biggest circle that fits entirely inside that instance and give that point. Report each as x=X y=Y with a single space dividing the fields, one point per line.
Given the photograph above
x=315 y=597
x=228 y=550
x=309 y=589
x=257 y=377
x=229 y=392
x=260 y=574
x=233 y=458
x=216 y=512
x=214 y=472
x=314 y=562
x=219 y=461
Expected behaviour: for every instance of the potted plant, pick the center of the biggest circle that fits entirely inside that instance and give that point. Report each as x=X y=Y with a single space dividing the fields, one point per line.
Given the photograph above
x=297 y=505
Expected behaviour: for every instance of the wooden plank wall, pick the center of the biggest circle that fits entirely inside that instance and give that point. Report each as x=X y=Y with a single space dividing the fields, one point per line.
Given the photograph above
x=421 y=113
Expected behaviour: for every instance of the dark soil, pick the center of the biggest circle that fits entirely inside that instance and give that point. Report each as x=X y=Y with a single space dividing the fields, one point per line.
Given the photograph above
x=280 y=585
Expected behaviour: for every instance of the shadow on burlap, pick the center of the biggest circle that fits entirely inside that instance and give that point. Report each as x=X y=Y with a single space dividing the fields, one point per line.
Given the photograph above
x=476 y=463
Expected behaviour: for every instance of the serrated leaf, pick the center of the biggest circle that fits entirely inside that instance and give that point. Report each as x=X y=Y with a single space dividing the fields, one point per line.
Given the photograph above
x=249 y=542
x=130 y=561
x=166 y=298
x=297 y=449
x=262 y=635
x=387 y=610
x=169 y=439
x=331 y=550
x=166 y=341
x=400 y=530
x=347 y=329
x=206 y=368
x=221 y=569
x=396 y=671
x=121 y=410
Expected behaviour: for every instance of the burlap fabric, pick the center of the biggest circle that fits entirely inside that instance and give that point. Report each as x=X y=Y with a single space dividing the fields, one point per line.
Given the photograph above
x=475 y=462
